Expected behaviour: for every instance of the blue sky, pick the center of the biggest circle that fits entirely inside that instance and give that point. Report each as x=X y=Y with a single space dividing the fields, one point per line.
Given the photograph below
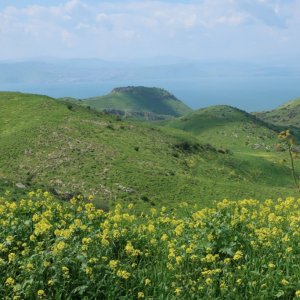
x=121 y=29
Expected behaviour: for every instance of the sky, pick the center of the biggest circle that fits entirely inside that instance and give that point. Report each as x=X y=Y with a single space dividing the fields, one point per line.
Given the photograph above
x=122 y=29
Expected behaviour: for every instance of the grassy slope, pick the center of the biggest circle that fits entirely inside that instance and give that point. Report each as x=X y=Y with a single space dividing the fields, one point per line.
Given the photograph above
x=46 y=143
x=285 y=115
x=140 y=99
x=227 y=127
x=43 y=143
x=250 y=140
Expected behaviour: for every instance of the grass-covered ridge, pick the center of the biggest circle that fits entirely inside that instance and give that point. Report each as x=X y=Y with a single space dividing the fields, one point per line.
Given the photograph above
x=227 y=126
x=286 y=115
x=253 y=142
x=236 y=250
x=139 y=102
x=68 y=149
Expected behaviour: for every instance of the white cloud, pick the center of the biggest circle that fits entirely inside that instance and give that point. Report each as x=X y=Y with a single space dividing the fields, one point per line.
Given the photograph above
x=233 y=20
x=184 y=28
x=82 y=25
x=102 y=17
x=72 y=4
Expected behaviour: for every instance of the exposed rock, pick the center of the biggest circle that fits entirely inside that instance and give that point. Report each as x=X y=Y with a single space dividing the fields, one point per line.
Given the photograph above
x=136 y=114
x=28 y=151
x=20 y=185
x=125 y=189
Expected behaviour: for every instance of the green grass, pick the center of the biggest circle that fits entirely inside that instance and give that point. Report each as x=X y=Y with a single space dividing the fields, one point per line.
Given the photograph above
x=68 y=149
x=227 y=126
x=250 y=141
x=287 y=115
x=54 y=145
x=140 y=100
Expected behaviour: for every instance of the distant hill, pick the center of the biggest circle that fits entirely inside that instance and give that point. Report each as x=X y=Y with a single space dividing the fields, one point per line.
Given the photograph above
x=139 y=102
x=287 y=115
x=227 y=126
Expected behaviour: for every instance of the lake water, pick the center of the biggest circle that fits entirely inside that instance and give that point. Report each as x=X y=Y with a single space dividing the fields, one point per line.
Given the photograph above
x=248 y=93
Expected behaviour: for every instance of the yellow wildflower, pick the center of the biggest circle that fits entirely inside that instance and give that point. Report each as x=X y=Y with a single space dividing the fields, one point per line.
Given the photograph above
x=223 y=286
x=10 y=281
x=113 y=264
x=104 y=242
x=9 y=239
x=41 y=293
x=284 y=282
x=151 y=228
x=147 y=281
x=238 y=255
x=51 y=282
x=164 y=237
x=178 y=291
x=178 y=259
x=227 y=261
x=271 y=265
x=65 y=270
x=59 y=247
x=11 y=257
x=46 y=264
x=179 y=229
x=29 y=267
x=86 y=241
x=130 y=206
x=123 y=274
x=88 y=271
x=210 y=237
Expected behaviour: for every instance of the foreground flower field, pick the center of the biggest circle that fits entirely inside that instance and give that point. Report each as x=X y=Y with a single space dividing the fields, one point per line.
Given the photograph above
x=238 y=250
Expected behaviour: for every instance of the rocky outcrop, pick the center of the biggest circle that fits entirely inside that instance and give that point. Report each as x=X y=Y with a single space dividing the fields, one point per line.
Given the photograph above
x=137 y=115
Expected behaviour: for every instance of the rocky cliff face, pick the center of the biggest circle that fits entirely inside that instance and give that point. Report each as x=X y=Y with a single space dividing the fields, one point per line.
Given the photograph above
x=137 y=115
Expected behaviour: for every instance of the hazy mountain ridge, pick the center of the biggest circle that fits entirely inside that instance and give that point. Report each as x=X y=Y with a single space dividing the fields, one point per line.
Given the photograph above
x=86 y=70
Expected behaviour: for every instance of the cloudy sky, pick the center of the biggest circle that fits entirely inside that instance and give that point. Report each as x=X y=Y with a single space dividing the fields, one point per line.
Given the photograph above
x=118 y=29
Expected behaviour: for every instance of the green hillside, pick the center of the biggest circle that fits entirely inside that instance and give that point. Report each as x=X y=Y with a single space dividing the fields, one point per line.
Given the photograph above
x=229 y=127
x=139 y=102
x=68 y=149
x=250 y=140
x=286 y=115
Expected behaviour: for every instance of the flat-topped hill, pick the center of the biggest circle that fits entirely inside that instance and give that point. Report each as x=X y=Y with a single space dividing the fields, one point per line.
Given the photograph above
x=129 y=101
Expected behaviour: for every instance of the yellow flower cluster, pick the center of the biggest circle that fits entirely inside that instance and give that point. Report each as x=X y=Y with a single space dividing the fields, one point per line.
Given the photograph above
x=237 y=250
